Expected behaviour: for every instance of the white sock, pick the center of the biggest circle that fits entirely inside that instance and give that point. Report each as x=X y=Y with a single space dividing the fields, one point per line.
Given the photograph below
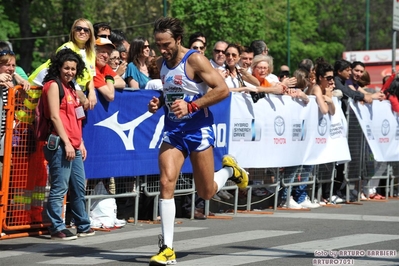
x=222 y=175
x=167 y=210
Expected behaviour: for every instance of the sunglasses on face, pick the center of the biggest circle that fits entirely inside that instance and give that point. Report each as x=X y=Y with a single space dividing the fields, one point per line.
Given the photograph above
x=103 y=36
x=146 y=46
x=329 y=78
x=232 y=55
x=199 y=47
x=217 y=51
x=5 y=52
x=79 y=29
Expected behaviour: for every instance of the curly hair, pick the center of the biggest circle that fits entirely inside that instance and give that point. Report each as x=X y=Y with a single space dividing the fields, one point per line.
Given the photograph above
x=322 y=67
x=58 y=60
x=173 y=25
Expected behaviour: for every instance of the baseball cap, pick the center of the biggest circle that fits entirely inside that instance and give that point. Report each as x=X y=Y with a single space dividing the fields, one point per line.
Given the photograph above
x=104 y=41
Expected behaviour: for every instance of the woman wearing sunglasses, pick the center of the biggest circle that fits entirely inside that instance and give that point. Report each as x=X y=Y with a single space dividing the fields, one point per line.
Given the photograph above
x=324 y=87
x=136 y=75
x=8 y=79
x=81 y=41
x=238 y=79
x=197 y=44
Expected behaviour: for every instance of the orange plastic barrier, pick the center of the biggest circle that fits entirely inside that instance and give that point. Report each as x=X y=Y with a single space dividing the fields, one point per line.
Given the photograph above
x=24 y=177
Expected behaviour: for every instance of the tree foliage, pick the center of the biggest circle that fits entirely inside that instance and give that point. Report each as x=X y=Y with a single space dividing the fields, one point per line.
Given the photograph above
x=316 y=27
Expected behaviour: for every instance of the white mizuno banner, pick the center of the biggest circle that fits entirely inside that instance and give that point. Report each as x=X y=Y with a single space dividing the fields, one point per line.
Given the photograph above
x=280 y=131
x=380 y=127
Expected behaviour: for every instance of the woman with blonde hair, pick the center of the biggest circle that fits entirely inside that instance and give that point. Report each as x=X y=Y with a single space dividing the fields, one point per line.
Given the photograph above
x=81 y=41
x=260 y=70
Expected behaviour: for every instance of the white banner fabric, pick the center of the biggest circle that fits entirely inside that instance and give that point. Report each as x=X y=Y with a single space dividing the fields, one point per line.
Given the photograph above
x=280 y=131
x=380 y=127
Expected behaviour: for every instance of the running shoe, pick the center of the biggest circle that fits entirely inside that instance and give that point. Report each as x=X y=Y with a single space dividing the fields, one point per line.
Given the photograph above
x=240 y=176
x=165 y=256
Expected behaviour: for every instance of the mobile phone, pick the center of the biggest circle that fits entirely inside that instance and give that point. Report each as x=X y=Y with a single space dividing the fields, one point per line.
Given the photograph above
x=53 y=142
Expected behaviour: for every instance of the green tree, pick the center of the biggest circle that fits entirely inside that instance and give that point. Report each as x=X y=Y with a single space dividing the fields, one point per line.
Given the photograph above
x=231 y=21
x=8 y=27
x=317 y=28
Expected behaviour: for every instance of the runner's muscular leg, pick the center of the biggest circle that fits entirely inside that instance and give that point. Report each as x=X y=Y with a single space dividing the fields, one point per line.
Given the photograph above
x=170 y=164
x=203 y=171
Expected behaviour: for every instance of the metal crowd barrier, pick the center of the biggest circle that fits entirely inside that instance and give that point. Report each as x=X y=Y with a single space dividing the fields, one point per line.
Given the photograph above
x=362 y=169
x=374 y=171
x=324 y=177
x=126 y=187
x=353 y=169
x=24 y=175
x=261 y=181
x=228 y=186
x=297 y=180
x=185 y=186
x=393 y=181
x=265 y=180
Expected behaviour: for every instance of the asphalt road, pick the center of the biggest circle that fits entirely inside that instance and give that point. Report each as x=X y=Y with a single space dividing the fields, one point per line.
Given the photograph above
x=366 y=234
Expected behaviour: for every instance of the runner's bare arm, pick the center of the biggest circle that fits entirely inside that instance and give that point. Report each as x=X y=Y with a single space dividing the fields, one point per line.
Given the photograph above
x=199 y=67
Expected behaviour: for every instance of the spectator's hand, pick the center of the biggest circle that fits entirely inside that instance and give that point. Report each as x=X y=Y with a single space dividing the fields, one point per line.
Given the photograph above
x=122 y=68
x=4 y=77
x=70 y=152
x=223 y=73
x=294 y=93
x=25 y=85
x=367 y=98
x=243 y=71
x=154 y=105
x=289 y=82
x=327 y=99
x=378 y=96
x=7 y=84
x=92 y=99
x=279 y=89
x=329 y=90
x=298 y=94
x=83 y=150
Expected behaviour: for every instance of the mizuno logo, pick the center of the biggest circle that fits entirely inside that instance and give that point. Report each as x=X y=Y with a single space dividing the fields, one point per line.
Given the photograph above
x=126 y=131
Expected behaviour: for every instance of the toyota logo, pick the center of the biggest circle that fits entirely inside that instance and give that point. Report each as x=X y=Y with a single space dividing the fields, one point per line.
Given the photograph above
x=322 y=127
x=279 y=125
x=385 y=127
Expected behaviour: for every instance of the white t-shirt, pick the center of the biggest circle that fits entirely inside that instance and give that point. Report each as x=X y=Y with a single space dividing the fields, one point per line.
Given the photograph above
x=271 y=78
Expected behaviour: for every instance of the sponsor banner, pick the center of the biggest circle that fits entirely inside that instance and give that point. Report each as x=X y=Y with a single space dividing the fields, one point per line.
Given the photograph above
x=280 y=131
x=380 y=127
x=123 y=139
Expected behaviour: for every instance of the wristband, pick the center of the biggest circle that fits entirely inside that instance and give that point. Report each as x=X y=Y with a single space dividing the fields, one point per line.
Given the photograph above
x=192 y=107
x=109 y=78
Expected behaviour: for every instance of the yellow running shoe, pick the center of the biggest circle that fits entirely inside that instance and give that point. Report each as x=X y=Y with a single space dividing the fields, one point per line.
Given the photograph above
x=240 y=176
x=165 y=256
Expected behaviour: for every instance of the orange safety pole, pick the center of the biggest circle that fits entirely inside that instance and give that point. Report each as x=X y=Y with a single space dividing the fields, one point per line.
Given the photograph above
x=9 y=108
x=24 y=169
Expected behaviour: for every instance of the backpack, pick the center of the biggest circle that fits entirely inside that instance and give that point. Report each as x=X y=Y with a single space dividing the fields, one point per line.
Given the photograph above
x=43 y=126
